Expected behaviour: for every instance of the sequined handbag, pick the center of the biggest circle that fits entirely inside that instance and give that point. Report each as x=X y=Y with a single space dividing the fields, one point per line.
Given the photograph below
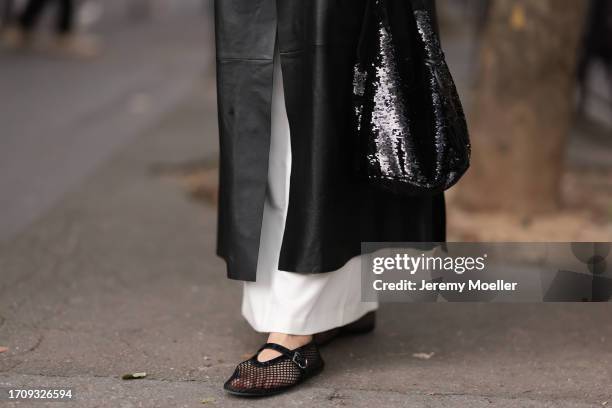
x=411 y=128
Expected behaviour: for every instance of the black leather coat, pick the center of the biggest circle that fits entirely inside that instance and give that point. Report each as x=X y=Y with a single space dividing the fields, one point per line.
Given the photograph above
x=330 y=213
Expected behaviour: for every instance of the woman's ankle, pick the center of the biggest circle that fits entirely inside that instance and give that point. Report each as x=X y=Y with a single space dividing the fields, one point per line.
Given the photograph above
x=289 y=341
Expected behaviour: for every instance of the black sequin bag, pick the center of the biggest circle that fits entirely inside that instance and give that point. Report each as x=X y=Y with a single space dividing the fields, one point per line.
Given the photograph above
x=411 y=128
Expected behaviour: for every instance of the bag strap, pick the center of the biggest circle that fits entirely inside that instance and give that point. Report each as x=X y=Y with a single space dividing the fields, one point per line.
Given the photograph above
x=420 y=4
x=429 y=6
x=364 y=26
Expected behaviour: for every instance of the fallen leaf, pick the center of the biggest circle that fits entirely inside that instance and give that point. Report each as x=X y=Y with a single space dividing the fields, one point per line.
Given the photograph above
x=207 y=400
x=133 y=376
x=423 y=356
x=3 y=349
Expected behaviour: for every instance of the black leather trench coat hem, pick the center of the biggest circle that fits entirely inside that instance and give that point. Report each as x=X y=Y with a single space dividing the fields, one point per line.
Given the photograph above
x=330 y=212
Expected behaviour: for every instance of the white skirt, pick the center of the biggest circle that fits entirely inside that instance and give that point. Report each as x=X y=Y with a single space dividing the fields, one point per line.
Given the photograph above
x=288 y=302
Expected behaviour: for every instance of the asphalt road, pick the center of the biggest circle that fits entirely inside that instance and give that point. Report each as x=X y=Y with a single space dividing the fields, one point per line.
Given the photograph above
x=60 y=118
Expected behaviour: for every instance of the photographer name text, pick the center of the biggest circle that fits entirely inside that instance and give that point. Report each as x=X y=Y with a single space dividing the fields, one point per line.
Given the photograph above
x=459 y=287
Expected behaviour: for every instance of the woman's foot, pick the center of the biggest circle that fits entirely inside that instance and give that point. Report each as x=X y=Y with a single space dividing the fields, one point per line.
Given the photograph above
x=281 y=370
x=289 y=341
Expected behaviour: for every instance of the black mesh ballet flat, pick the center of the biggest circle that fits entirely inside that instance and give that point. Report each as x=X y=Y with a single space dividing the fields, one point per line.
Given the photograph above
x=254 y=378
x=366 y=324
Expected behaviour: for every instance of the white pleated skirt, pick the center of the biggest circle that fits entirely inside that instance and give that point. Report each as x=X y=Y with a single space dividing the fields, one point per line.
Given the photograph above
x=288 y=302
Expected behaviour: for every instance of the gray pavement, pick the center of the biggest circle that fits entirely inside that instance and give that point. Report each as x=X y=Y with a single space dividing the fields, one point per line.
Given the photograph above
x=120 y=277
x=61 y=118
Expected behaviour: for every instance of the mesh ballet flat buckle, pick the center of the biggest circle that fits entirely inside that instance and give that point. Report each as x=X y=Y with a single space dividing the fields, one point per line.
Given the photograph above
x=297 y=358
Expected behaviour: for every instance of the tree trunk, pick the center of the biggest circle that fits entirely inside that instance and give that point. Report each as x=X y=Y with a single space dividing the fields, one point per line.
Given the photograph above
x=524 y=105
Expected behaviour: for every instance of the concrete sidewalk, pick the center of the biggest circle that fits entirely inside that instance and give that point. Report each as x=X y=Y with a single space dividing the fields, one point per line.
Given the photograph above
x=121 y=277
